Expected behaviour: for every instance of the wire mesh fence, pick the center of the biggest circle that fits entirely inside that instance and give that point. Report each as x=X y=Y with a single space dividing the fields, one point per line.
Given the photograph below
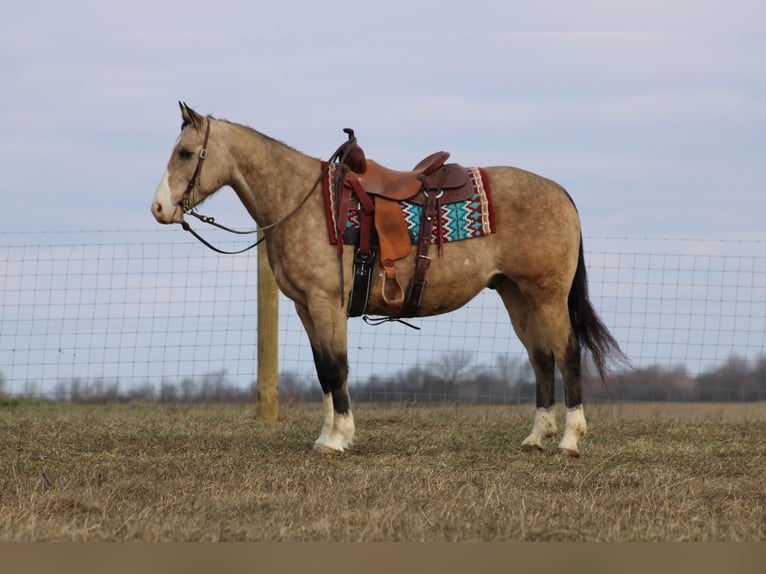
x=154 y=315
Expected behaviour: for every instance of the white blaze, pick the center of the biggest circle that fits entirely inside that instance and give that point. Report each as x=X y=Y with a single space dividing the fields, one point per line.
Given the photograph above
x=163 y=207
x=162 y=195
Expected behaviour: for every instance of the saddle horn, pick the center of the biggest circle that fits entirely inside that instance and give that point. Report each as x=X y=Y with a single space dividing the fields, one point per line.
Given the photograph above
x=355 y=158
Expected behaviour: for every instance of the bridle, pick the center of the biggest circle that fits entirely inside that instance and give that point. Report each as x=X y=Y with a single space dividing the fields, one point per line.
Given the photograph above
x=340 y=154
x=187 y=208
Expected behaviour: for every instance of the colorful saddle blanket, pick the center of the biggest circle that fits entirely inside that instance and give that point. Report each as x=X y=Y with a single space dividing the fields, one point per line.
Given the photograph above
x=473 y=217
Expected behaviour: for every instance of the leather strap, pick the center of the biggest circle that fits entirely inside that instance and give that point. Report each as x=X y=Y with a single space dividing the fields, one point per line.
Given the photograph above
x=366 y=216
x=186 y=200
x=360 y=288
x=343 y=197
x=431 y=216
x=417 y=284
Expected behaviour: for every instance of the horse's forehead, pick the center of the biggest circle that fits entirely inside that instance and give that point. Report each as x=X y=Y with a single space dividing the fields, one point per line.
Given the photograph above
x=184 y=135
x=187 y=133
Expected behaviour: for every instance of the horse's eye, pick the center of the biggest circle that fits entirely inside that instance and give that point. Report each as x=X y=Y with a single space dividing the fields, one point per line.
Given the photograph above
x=185 y=154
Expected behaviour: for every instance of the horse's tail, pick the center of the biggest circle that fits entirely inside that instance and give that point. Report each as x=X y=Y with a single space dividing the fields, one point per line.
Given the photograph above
x=588 y=327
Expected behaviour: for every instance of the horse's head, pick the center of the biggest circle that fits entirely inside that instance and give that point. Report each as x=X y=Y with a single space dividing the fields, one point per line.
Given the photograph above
x=192 y=173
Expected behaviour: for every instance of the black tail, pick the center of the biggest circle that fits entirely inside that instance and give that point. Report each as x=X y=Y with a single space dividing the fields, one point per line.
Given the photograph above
x=588 y=328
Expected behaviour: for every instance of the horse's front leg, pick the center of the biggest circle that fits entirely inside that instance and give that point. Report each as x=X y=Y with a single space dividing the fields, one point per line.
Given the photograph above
x=326 y=329
x=338 y=426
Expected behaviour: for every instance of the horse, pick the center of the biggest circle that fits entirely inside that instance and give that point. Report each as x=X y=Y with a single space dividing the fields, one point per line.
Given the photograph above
x=533 y=260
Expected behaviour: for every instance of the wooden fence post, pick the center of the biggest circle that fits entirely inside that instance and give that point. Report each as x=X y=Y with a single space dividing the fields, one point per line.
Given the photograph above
x=267 y=386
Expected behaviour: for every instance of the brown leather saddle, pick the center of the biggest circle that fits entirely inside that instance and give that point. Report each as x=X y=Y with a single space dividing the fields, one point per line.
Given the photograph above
x=431 y=184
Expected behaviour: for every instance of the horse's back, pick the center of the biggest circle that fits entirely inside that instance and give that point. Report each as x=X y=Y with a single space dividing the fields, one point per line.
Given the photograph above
x=533 y=198
x=537 y=225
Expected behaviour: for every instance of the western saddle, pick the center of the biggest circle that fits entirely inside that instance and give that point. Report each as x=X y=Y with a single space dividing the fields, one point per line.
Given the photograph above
x=430 y=184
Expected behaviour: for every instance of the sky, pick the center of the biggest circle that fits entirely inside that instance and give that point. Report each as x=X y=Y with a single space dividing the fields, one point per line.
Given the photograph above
x=651 y=114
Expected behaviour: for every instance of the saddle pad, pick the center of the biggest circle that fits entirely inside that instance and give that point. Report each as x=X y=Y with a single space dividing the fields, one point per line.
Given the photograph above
x=461 y=220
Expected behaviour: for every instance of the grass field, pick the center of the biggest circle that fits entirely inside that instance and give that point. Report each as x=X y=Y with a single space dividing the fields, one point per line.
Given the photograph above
x=455 y=473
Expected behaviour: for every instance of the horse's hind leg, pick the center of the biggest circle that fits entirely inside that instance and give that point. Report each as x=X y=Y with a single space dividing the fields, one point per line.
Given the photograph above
x=542 y=323
x=553 y=316
x=574 y=425
x=328 y=345
x=540 y=358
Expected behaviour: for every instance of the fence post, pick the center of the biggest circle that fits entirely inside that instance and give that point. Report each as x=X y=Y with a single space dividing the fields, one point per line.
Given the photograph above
x=267 y=391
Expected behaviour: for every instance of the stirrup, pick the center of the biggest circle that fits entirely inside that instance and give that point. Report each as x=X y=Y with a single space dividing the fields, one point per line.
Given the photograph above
x=389 y=278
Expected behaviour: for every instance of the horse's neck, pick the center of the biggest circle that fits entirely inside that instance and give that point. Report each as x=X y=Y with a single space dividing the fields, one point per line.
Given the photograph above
x=268 y=176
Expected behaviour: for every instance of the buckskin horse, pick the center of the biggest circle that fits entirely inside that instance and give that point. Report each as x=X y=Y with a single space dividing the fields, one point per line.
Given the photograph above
x=533 y=257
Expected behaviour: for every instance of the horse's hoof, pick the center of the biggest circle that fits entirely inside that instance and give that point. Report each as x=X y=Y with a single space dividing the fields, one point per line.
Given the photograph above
x=569 y=453
x=531 y=448
x=324 y=449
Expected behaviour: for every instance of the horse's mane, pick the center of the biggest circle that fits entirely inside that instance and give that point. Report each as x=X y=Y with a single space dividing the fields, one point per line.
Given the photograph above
x=256 y=132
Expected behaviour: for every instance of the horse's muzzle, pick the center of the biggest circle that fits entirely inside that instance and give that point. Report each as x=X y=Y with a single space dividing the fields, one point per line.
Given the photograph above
x=166 y=213
x=164 y=209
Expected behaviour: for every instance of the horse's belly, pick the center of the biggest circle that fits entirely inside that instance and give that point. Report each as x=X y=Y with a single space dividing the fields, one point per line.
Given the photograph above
x=451 y=282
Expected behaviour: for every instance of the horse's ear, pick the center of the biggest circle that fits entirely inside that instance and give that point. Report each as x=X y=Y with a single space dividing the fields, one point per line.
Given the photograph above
x=189 y=116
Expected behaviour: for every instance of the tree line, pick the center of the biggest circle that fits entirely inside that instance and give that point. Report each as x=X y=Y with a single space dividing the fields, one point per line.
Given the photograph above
x=452 y=377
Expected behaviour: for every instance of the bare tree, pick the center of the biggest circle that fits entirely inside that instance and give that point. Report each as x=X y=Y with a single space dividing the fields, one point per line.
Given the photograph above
x=453 y=366
x=451 y=369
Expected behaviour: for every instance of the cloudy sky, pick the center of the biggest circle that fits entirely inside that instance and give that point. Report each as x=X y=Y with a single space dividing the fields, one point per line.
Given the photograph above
x=652 y=114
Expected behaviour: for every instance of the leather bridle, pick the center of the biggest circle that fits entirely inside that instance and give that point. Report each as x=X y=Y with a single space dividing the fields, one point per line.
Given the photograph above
x=187 y=208
x=185 y=202
x=340 y=154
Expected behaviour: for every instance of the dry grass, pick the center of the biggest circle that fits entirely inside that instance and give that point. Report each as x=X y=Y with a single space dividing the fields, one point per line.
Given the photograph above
x=158 y=473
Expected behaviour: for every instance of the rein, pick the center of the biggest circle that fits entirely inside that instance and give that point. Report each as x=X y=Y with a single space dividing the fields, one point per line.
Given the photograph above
x=340 y=154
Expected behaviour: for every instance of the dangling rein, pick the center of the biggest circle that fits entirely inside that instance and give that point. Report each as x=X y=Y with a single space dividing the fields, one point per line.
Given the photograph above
x=340 y=154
